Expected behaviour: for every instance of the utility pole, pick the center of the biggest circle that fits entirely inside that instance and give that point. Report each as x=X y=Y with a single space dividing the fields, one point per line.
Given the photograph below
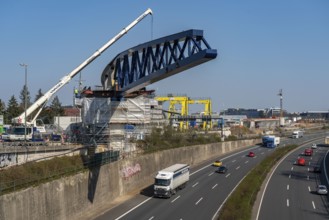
x=25 y=99
x=281 y=101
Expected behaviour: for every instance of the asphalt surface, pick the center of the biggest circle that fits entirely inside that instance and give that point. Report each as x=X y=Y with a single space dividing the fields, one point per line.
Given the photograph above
x=291 y=190
x=201 y=199
x=207 y=190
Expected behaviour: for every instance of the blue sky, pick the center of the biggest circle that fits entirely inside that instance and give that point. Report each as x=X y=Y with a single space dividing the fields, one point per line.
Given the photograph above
x=263 y=46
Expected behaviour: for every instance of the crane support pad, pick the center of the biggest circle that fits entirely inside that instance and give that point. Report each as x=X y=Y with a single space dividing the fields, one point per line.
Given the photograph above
x=147 y=63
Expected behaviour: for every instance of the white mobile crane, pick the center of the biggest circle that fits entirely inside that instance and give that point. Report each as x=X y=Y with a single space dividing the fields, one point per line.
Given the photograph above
x=19 y=131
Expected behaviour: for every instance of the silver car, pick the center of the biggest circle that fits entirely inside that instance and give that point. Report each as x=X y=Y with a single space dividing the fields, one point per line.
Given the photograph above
x=322 y=190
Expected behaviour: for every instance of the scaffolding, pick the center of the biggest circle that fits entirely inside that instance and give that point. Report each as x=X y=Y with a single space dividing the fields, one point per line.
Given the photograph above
x=112 y=125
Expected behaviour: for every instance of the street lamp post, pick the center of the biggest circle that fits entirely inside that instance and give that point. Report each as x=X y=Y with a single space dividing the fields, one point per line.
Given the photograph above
x=25 y=99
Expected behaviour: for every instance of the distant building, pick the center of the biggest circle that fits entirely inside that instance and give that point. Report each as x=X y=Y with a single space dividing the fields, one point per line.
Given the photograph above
x=315 y=115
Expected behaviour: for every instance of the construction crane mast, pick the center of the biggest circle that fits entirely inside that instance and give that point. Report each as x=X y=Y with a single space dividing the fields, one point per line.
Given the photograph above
x=41 y=102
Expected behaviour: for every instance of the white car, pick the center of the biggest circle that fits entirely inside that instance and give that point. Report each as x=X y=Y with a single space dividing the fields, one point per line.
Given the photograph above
x=322 y=190
x=314 y=146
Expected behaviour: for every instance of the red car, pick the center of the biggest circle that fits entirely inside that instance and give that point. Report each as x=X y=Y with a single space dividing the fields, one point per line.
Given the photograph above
x=301 y=161
x=308 y=152
x=251 y=154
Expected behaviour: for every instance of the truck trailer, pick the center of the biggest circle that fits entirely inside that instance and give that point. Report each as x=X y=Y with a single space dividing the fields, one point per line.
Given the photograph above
x=171 y=179
x=270 y=141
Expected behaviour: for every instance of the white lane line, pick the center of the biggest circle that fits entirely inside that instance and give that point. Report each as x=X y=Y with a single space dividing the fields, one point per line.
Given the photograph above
x=313 y=204
x=232 y=155
x=198 y=201
x=289 y=176
x=292 y=168
x=195 y=184
x=237 y=168
x=309 y=189
x=151 y=218
x=211 y=174
x=308 y=177
x=214 y=186
x=175 y=199
x=133 y=208
x=228 y=175
x=233 y=161
x=287 y=187
x=255 y=156
x=287 y=202
x=311 y=158
x=262 y=153
x=308 y=169
x=246 y=161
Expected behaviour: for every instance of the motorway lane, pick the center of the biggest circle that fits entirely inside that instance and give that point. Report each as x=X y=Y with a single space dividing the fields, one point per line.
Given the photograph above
x=290 y=193
x=202 y=197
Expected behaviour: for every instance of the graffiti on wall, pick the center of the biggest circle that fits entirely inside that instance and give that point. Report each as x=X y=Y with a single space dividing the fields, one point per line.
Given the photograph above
x=130 y=171
x=7 y=160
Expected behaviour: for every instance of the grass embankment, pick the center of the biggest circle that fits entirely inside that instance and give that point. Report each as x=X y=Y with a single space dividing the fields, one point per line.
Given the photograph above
x=34 y=173
x=240 y=203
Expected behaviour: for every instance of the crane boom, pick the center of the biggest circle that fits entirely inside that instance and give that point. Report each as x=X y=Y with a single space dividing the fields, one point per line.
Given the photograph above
x=43 y=99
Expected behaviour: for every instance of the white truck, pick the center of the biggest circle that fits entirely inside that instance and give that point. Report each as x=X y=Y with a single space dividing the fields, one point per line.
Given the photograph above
x=170 y=179
x=271 y=141
x=297 y=134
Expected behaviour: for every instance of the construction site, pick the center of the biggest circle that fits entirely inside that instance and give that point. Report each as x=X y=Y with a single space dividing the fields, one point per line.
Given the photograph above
x=122 y=110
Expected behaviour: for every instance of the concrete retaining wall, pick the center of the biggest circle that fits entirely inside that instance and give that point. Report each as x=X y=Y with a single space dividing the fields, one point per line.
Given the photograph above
x=91 y=192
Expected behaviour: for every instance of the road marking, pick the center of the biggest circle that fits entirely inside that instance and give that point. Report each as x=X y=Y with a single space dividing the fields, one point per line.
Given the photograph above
x=211 y=174
x=195 y=184
x=228 y=175
x=151 y=218
x=309 y=163
x=313 y=204
x=308 y=169
x=133 y=208
x=311 y=158
x=198 y=201
x=246 y=161
x=287 y=202
x=308 y=177
x=214 y=186
x=233 y=161
x=292 y=168
x=262 y=153
x=255 y=156
x=287 y=187
x=202 y=168
x=309 y=189
x=175 y=199
x=289 y=176
x=237 y=168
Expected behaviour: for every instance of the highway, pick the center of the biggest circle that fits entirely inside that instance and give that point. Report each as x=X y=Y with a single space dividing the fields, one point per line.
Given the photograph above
x=291 y=190
x=203 y=197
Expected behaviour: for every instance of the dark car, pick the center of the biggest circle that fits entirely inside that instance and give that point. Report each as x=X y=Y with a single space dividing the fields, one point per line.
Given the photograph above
x=316 y=169
x=222 y=169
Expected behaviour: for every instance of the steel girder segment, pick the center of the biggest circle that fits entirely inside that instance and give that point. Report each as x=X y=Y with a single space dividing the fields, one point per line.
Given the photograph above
x=153 y=61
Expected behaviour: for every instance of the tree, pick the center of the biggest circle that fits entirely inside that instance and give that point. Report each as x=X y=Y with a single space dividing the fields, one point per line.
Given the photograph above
x=38 y=95
x=13 y=110
x=22 y=97
x=56 y=108
x=3 y=110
